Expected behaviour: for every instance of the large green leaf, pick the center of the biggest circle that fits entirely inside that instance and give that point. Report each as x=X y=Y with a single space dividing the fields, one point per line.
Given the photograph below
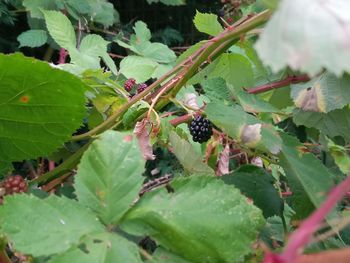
x=187 y=156
x=307 y=37
x=61 y=29
x=323 y=93
x=32 y=38
x=45 y=226
x=162 y=255
x=40 y=107
x=203 y=220
x=207 y=23
x=109 y=175
x=308 y=178
x=257 y=184
x=334 y=123
x=101 y=248
x=217 y=90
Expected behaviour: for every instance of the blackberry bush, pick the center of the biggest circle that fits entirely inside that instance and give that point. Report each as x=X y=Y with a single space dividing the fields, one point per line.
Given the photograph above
x=201 y=129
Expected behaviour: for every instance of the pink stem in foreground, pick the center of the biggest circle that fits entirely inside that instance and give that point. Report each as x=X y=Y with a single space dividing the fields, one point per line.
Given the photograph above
x=51 y=165
x=303 y=234
x=63 y=55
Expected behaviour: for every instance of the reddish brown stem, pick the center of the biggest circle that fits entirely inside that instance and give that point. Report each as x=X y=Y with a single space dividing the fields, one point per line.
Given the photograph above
x=181 y=119
x=278 y=84
x=116 y=55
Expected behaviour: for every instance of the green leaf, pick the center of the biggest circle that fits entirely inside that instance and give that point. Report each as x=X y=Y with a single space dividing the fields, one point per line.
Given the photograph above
x=109 y=175
x=139 y=68
x=308 y=178
x=35 y=6
x=188 y=52
x=257 y=184
x=40 y=107
x=203 y=220
x=162 y=255
x=92 y=47
x=316 y=40
x=159 y=53
x=101 y=248
x=142 y=32
x=5 y=168
x=133 y=112
x=103 y=12
x=216 y=90
x=187 y=156
x=332 y=124
x=323 y=93
x=235 y=69
x=244 y=127
x=340 y=156
x=60 y=29
x=207 y=23
x=32 y=38
x=251 y=102
x=42 y=227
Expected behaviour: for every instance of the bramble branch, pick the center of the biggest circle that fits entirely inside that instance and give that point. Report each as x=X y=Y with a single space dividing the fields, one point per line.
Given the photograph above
x=278 y=84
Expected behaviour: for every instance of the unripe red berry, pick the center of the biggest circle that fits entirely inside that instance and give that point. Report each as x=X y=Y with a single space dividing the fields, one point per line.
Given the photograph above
x=15 y=184
x=129 y=83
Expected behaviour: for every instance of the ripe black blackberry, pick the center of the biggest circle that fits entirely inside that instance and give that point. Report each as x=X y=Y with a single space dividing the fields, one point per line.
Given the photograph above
x=201 y=129
x=15 y=184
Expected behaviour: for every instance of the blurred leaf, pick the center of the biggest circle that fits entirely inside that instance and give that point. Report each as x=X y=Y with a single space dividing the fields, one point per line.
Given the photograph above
x=32 y=38
x=332 y=124
x=186 y=220
x=187 y=156
x=101 y=248
x=207 y=23
x=40 y=107
x=35 y=6
x=109 y=175
x=162 y=255
x=257 y=184
x=317 y=39
x=307 y=177
x=340 y=155
x=322 y=94
x=42 y=227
